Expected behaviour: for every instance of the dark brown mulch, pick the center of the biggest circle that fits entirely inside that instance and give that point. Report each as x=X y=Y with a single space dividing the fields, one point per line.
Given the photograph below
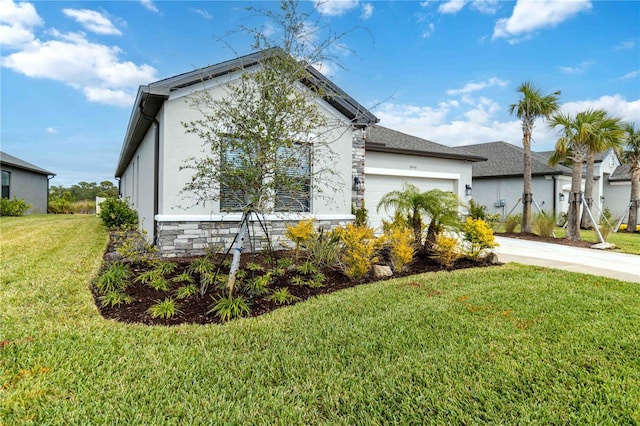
x=534 y=237
x=194 y=309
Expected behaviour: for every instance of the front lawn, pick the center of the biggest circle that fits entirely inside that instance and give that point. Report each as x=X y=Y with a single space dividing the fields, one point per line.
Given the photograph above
x=513 y=344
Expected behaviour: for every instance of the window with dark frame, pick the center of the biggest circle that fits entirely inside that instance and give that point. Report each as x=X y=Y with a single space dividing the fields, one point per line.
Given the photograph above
x=233 y=198
x=6 y=184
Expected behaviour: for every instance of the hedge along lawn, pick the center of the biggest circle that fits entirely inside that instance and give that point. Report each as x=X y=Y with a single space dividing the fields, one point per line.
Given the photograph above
x=511 y=344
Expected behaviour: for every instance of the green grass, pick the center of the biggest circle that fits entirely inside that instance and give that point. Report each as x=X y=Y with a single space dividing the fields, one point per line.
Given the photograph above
x=506 y=345
x=626 y=242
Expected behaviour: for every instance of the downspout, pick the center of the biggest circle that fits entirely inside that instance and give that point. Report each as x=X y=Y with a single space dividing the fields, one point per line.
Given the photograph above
x=156 y=168
x=555 y=195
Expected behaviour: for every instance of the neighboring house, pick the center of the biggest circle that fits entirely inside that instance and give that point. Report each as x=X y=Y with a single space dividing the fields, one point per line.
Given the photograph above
x=392 y=158
x=498 y=182
x=617 y=192
x=156 y=147
x=25 y=181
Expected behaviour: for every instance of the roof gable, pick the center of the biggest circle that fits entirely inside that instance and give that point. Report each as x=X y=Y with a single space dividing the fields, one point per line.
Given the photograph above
x=12 y=161
x=622 y=173
x=505 y=159
x=151 y=97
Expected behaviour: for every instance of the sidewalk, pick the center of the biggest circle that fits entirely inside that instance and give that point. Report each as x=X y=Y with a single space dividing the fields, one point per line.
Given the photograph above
x=604 y=263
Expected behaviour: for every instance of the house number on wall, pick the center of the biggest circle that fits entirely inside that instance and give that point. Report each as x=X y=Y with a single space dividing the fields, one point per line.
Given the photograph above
x=413 y=166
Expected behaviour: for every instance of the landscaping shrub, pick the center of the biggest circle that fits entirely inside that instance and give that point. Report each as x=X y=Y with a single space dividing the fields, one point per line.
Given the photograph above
x=477 y=210
x=325 y=249
x=446 y=250
x=361 y=214
x=512 y=222
x=116 y=213
x=360 y=250
x=131 y=244
x=301 y=233
x=15 y=207
x=479 y=237
x=623 y=227
x=543 y=224
x=399 y=241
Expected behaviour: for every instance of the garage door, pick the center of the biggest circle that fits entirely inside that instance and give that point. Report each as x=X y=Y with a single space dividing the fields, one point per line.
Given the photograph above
x=377 y=185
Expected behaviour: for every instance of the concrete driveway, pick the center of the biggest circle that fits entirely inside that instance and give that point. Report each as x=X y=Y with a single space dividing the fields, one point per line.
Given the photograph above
x=604 y=263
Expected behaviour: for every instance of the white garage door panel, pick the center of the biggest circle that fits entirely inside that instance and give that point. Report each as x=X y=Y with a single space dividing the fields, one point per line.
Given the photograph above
x=376 y=186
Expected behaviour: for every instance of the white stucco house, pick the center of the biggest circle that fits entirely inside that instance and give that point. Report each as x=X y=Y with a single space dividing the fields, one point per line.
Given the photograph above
x=392 y=158
x=371 y=160
x=498 y=182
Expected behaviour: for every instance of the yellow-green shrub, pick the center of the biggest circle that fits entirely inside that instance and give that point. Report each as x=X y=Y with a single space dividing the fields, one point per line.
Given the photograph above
x=399 y=240
x=446 y=250
x=479 y=236
x=360 y=250
x=301 y=233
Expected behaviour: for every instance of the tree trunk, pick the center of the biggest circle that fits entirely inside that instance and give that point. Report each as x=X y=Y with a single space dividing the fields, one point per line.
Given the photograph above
x=575 y=197
x=632 y=223
x=526 y=191
x=585 y=222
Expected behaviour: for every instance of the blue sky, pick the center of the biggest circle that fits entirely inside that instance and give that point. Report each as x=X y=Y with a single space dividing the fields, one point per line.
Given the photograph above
x=442 y=70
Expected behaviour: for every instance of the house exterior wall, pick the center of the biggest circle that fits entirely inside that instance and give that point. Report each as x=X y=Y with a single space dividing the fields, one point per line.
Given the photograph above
x=385 y=172
x=490 y=192
x=137 y=182
x=184 y=226
x=616 y=198
x=32 y=187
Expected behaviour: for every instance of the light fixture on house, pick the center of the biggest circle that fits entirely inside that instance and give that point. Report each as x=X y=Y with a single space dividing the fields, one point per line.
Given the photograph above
x=357 y=184
x=561 y=196
x=602 y=199
x=467 y=190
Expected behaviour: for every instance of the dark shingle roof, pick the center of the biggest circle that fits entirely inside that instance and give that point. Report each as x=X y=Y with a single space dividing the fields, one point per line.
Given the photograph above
x=383 y=139
x=10 y=160
x=622 y=173
x=505 y=159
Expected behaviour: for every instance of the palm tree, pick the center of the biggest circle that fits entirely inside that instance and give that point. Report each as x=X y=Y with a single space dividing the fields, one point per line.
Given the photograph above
x=588 y=131
x=531 y=106
x=410 y=203
x=631 y=156
x=442 y=209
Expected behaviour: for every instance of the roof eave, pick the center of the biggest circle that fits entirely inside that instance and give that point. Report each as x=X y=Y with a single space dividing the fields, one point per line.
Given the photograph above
x=450 y=156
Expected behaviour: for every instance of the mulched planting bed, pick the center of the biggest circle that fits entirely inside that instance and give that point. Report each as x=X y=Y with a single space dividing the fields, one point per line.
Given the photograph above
x=194 y=308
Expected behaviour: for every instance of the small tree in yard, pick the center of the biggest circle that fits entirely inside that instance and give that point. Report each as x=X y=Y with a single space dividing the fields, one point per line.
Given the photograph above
x=631 y=156
x=267 y=141
x=531 y=106
x=587 y=131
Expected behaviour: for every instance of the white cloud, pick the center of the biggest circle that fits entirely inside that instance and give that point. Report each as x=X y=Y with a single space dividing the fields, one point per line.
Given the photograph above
x=51 y=130
x=531 y=15
x=367 y=11
x=479 y=120
x=630 y=75
x=95 y=69
x=452 y=6
x=203 y=13
x=148 y=4
x=92 y=21
x=335 y=7
x=428 y=31
x=615 y=105
x=473 y=87
x=625 y=45
x=485 y=6
x=102 y=95
x=577 y=70
x=17 y=22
